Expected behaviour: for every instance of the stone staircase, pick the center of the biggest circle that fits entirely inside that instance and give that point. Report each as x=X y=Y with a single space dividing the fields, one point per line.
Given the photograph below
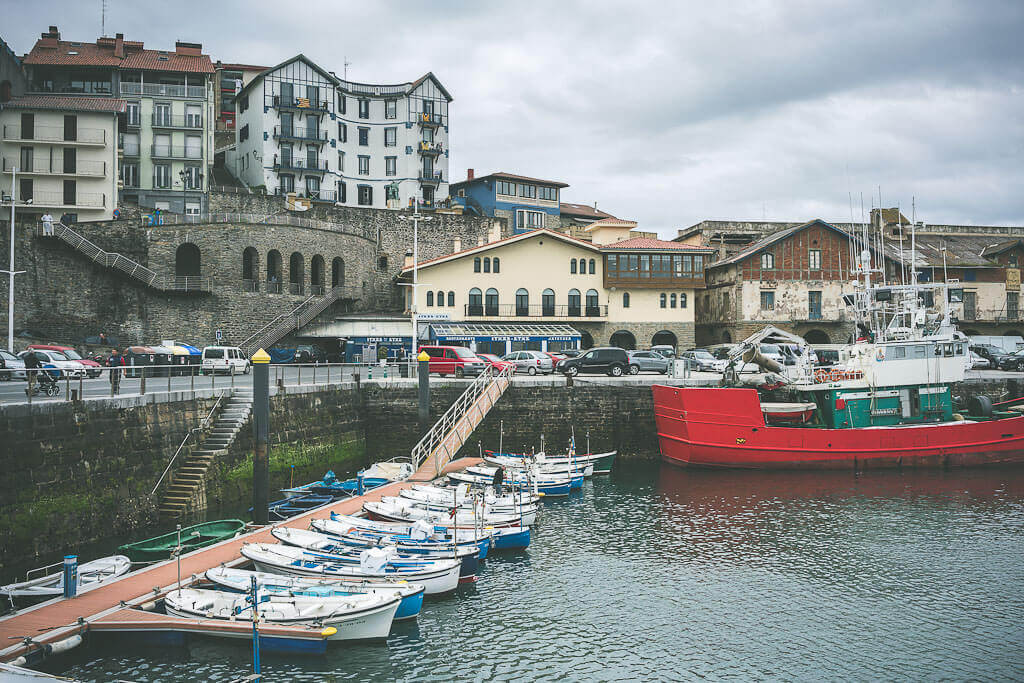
x=187 y=485
x=272 y=332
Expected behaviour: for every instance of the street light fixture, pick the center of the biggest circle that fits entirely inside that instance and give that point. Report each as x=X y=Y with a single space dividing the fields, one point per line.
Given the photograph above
x=184 y=175
x=12 y=198
x=416 y=217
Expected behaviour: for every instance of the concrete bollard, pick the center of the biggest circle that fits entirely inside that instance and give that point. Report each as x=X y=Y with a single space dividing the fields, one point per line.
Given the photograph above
x=423 y=374
x=261 y=431
x=70 y=576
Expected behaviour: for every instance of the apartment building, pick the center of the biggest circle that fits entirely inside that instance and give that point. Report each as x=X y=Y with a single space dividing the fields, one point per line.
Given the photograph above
x=527 y=203
x=165 y=146
x=300 y=129
x=63 y=154
x=230 y=80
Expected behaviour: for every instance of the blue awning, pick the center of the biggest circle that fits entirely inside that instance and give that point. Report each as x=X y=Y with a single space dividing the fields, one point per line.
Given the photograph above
x=467 y=332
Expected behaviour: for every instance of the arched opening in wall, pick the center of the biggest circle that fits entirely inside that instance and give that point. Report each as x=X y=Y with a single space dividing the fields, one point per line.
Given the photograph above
x=337 y=272
x=274 y=271
x=624 y=340
x=296 y=273
x=187 y=260
x=817 y=337
x=250 y=269
x=726 y=338
x=664 y=338
x=1012 y=333
x=586 y=340
x=972 y=333
x=316 y=274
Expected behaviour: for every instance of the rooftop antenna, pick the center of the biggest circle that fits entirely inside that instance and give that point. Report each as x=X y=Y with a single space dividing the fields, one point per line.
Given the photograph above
x=345 y=65
x=103 y=19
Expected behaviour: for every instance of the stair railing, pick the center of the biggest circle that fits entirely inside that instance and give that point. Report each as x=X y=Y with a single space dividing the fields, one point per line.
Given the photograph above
x=292 y=320
x=191 y=433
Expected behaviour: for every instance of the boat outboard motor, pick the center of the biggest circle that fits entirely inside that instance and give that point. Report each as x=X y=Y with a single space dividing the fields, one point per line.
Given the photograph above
x=373 y=559
x=754 y=356
x=421 y=530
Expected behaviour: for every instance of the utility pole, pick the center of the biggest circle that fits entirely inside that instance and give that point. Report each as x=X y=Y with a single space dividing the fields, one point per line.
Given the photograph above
x=416 y=218
x=11 y=272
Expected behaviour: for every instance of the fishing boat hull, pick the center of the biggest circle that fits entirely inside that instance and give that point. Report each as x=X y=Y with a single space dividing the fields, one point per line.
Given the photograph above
x=362 y=538
x=160 y=547
x=90 y=575
x=512 y=538
x=555 y=488
x=701 y=427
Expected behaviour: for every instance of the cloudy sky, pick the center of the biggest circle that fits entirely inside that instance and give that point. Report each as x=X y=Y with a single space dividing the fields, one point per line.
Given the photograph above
x=665 y=112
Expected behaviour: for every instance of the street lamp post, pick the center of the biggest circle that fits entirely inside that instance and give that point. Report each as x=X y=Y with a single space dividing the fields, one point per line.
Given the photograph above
x=416 y=218
x=10 y=268
x=184 y=176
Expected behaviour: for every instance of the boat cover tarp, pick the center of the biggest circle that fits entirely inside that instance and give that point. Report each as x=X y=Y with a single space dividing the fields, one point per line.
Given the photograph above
x=281 y=355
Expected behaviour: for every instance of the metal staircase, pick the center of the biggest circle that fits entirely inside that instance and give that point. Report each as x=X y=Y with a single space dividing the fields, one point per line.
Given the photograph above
x=123 y=264
x=301 y=315
x=448 y=434
x=212 y=439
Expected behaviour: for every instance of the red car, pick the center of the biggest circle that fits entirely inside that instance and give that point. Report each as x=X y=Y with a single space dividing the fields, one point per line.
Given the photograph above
x=555 y=356
x=92 y=368
x=495 y=362
x=453 y=360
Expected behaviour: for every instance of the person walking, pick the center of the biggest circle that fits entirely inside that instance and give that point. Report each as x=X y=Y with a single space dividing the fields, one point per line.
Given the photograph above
x=116 y=364
x=31 y=368
x=499 y=479
x=47 y=224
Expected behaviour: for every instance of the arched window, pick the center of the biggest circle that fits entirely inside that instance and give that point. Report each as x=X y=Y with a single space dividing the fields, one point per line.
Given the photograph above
x=430 y=298
x=451 y=299
x=337 y=272
x=625 y=299
x=663 y=300
x=672 y=300
x=491 y=302
x=316 y=274
x=187 y=260
x=682 y=300
x=440 y=298
x=593 y=308
x=522 y=302
x=274 y=271
x=476 y=264
x=593 y=267
x=572 y=266
x=574 y=302
x=487 y=264
x=497 y=265
x=476 y=302
x=296 y=273
x=547 y=302
x=250 y=267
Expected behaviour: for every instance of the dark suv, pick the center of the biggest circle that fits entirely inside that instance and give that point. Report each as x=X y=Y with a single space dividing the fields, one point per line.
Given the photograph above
x=992 y=353
x=609 y=360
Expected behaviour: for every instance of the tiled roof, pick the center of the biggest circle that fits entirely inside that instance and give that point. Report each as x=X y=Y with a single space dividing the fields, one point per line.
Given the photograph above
x=67 y=53
x=582 y=211
x=501 y=175
x=507 y=240
x=651 y=244
x=67 y=103
x=241 y=67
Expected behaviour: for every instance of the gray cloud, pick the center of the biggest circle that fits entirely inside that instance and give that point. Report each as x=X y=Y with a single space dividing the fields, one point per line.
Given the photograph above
x=668 y=112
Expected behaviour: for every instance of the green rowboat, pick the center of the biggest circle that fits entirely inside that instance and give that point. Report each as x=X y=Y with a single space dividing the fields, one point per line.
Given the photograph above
x=193 y=537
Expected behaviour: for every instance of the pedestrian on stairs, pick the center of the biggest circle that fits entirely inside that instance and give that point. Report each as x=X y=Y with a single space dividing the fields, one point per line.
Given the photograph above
x=47 y=224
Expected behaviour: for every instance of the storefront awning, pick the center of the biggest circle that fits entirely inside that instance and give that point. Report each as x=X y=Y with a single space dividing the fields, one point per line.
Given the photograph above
x=501 y=332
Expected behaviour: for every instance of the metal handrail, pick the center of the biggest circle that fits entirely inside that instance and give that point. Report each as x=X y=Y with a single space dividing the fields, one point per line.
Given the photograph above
x=292 y=320
x=189 y=435
x=444 y=426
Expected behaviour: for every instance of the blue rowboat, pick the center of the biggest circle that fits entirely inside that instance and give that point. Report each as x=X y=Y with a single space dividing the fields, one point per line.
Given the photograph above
x=330 y=485
x=289 y=507
x=512 y=538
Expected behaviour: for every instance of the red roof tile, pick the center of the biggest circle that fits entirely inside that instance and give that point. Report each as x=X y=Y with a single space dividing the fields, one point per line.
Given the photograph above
x=648 y=243
x=67 y=103
x=583 y=211
x=66 y=53
x=154 y=60
x=511 y=238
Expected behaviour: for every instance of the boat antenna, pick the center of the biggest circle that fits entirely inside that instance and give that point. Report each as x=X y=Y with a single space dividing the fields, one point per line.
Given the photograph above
x=903 y=267
x=501 y=436
x=913 y=240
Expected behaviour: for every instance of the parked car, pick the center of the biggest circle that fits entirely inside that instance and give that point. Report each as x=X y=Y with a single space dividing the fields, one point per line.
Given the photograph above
x=994 y=354
x=701 y=360
x=570 y=353
x=58 y=364
x=979 y=362
x=495 y=362
x=665 y=350
x=1013 y=361
x=555 y=356
x=11 y=367
x=223 y=359
x=609 y=360
x=531 y=362
x=310 y=353
x=93 y=369
x=647 y=361
x=453 y=360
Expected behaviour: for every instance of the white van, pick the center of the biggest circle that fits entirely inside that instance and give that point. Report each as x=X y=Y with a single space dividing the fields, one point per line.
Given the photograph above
x=223 y=359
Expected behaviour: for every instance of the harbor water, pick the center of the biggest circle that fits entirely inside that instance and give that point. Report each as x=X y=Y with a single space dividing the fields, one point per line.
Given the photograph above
x=659 y=573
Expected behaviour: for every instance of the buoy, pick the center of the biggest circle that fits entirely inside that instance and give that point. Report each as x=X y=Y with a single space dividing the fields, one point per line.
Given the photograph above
x=328 y=632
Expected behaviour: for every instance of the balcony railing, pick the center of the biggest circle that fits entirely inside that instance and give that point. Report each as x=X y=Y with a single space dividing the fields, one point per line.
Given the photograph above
x=82 y=136
x=96 y=169
x=87 y=200
x=993 y=314
x=432 y=178
x=193 y=121
x=133 y=122
x=535 y=311
x=425 y=119
x=300 y=103
x=430 y=148
x=300 y=133
x=172 y=152
x=162 y=90
x=130 y=149
x=299 y=164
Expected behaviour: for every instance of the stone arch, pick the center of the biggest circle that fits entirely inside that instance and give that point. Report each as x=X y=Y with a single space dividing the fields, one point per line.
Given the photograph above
x=187 y=260
x=274 y=275
x=664 y=338
x=296 y=273
x=624 y=339
x=726 y=338
x=316 y=273
x=817 y=337
x=250 y=264
x=338 y=272
x=586 y=340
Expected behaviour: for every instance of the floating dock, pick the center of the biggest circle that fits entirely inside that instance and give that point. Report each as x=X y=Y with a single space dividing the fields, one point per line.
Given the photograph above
x=29 y=635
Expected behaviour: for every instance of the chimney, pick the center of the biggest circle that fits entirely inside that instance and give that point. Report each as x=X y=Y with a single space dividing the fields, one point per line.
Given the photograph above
x=595 y=206
x=469 y=174
x=457 y=247
x=183 y=48
x=50 y=38
x=119 y=45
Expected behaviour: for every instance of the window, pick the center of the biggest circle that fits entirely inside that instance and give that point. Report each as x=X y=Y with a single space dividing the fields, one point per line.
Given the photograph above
x=476 y=264
x=365 y=195
x=130 y=175
x=487 y=264
x=341 y=103
x=342 y=132
x=287 y=183
x=341 y=192
x=242 y=103
x=767 y=300
x=70 y=192
x=682 y=300
x=625 y=299
x=529 y=220
x=390 y=165
x=440 y=298
x=672 y=300
x=547 y=302
x=451 y=299
x=506 y=188
x=341 y=162
x=528 y=191
x=593 y=267
x=583 y=266
x=814 y=259
x=313 y=187
x=593 y=308
x=312 y=157
x=574 y=302
x=663 y=300
x=313 y=94
x=162 y=176
x=572 y=266
x=364 y=109
x=364 y=136
x=476 y=302
x=286 y=155
x=391 y=109
x=522 y=302
x=814 y=305
x=497 y=264
x=132 y=110
x=428 y=135
x=162 y=114
x=549 y=193
x=193 y=178
x=430 y=298
x=390 y=137
x=243 y=133
x=364 y=165
x=767 y=261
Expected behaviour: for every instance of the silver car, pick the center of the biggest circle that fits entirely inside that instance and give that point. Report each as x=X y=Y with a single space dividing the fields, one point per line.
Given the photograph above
x=531 y=362
x=647 y=361
x=11 y=367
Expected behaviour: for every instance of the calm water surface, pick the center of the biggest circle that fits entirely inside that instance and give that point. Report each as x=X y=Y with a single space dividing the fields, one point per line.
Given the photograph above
x=658 y=573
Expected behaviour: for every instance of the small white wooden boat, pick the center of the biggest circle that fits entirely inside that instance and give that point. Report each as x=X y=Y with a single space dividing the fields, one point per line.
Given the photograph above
x=433 y=502
x=789 y=413
x=392 y=509
x=90 y=575
x=463 y=493
x=366 y=616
